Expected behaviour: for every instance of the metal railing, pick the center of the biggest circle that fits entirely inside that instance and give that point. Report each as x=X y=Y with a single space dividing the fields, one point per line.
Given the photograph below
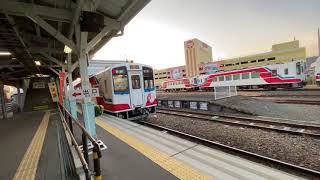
x=68 y=121
x=221 y=92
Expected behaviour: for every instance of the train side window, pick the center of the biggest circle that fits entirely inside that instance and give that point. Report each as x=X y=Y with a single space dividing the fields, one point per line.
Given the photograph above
x=228 y=78
x=255 y=74
x=261 y=60
x=253 y=61
x=298 y=67
x=245 y=62
x=271 y=59
x=245 y=75
x=215 y=78
x=221 y=78
x=135 y=80
x=274 y=72
x=286 y=71
x=236 y=76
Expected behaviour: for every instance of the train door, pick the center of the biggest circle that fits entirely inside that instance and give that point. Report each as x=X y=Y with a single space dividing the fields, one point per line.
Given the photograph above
x=136 y=94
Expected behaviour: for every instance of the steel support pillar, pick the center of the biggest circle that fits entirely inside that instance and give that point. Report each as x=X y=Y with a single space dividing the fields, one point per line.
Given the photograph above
x=72 y=102
x=87 y=106
x=3 y=101
x=26 y=83
x=18 y=95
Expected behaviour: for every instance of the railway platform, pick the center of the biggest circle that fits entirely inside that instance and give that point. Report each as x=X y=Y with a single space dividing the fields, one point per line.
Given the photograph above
x=30 y=146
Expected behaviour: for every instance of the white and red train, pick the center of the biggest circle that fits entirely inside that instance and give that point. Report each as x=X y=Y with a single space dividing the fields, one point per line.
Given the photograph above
x=126 y=89
x=286 y=75
x=317 y=71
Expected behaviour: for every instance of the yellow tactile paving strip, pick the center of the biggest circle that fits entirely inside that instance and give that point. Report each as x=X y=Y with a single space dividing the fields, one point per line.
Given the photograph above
x=28 y=166
x=175 y=167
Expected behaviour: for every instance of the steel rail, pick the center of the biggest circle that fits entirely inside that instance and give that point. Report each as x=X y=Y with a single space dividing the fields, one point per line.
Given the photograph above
x=233 y=149
x=244 y=121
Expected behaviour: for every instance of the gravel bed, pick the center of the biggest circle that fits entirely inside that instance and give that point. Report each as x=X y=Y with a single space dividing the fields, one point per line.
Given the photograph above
x=295 y=149
x=254 y=106
x=260 y=107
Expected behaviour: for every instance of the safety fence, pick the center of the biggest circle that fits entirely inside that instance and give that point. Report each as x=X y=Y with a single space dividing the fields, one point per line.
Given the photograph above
x=83 y=152
x=221 y=92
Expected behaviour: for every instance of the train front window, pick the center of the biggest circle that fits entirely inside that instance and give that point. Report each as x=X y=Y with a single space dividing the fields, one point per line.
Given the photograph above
x=135 y=79
x=120 y=80
x=148 y=78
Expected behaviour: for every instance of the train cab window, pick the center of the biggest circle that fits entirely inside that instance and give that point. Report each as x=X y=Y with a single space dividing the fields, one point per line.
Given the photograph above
x=255 y=74
x=215 y=79
x=236 y=76
x=298 y=67
x=245 y=75
x=135 y=80
x=286 y=71
x=228 y=78
x=120 y=79
x=221 y=78
x=148 y=78
x=274 y=72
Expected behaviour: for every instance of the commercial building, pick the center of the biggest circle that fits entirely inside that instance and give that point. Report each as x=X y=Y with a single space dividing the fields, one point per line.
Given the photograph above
x=199 y=61
x=196 y=53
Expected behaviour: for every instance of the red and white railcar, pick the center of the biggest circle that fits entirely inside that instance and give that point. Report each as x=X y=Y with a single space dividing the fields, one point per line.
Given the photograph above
x=180 y=84
x=317 y=71
x=286 y=75
x=126 y=89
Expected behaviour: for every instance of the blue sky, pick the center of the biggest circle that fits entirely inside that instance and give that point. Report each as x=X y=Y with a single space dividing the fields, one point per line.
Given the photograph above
x=232 y=27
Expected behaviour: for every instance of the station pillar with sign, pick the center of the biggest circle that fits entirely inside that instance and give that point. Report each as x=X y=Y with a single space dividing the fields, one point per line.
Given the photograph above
x=72 y=102
x=87 y=106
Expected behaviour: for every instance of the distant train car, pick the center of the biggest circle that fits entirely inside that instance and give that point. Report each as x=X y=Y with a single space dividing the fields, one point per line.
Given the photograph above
x=317 y=71
x=126 y=89
x=286 y=75
x=180 y=84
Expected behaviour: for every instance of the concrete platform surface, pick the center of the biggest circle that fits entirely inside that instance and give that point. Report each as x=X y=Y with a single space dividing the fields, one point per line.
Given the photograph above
x=29 y=146
x=207 y=161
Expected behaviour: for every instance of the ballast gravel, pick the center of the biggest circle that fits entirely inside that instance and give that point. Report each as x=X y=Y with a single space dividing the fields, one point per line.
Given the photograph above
x=295 y=149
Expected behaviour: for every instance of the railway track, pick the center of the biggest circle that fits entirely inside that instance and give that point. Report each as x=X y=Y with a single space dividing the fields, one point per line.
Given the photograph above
x=280 y=125
x=296 y=101
x=293 y=167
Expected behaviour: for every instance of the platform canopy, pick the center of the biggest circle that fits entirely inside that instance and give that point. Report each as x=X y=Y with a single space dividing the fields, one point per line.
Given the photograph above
x=37 y=31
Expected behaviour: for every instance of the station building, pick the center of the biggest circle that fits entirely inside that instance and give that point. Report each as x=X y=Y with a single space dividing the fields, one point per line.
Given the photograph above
x=198 y=58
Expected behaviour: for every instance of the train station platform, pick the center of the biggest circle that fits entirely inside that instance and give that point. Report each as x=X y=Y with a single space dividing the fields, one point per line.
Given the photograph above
x=29 y=146
x=182 y=158
x=33 y=149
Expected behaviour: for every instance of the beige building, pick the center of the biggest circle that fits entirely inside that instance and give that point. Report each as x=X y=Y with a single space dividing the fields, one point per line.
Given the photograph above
x=280 y=53
x=199 y=60
x=196 y=53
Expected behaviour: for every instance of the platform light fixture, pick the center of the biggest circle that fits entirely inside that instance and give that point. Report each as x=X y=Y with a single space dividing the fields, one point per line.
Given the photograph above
x=67 y=50
x=3 y=53
x=38 y=63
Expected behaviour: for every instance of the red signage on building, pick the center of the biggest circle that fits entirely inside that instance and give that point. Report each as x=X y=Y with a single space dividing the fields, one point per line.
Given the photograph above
x=190 y=44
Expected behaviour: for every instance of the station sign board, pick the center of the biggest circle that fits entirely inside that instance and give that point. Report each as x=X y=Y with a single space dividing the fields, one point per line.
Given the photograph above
x=83 y=93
